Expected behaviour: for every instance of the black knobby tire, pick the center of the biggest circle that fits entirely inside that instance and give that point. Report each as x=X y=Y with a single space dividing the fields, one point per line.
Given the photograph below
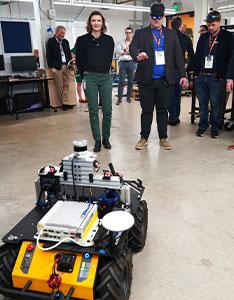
x=8 y=255
x=114 y=277
x=138 y=233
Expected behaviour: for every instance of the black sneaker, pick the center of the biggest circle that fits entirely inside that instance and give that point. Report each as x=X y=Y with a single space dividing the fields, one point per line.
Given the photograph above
x=200 y=132
x=214 y=134
x=118 y=102
x=106 y=143
x=174 y=123
x=97 y=146
x=129 y=100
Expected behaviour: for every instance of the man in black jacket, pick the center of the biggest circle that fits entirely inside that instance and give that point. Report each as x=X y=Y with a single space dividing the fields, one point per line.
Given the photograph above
x=58 y=54
x=186 y=45
x=213 y=53
x=159 y=56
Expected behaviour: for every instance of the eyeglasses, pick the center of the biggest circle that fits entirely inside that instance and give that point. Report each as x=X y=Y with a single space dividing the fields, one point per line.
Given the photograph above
x=156 y=17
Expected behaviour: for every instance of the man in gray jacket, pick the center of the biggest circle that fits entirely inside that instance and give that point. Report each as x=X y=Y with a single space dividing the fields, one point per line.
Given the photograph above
x=126 y=65
x=159 y=56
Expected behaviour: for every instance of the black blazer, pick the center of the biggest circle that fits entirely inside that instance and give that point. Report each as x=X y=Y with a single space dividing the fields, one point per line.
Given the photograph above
x=186 y=45
x=230 y=72
x=225 y=47
x=143 y=42
x=53 y=54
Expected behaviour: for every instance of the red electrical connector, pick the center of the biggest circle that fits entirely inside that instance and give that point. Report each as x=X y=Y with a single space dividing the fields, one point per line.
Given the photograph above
x=55 y=279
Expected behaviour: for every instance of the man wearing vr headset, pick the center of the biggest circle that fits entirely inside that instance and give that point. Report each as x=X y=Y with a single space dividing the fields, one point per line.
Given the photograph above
x=158 y=53
x=213 y=54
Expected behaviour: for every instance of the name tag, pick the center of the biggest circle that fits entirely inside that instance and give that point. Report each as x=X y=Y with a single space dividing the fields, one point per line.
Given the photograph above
x=63 y=57
x=159 y=58
x=209 y=60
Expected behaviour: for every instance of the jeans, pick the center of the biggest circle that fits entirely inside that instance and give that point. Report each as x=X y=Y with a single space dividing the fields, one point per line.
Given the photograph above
x=208 y=88
x=126 y=68
x=155 y=95
x=174 y=107
x=99 y=83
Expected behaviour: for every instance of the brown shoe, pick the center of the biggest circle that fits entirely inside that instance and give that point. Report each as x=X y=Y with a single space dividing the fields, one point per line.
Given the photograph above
x=165 y=144
x=141 y=144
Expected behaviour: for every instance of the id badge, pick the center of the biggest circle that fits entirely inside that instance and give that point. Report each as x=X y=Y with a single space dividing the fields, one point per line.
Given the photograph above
x=63 y=57
x=209 y=61
x=159 y=58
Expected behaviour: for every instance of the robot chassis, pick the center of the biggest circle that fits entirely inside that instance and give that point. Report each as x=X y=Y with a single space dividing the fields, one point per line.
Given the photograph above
x=77 y=242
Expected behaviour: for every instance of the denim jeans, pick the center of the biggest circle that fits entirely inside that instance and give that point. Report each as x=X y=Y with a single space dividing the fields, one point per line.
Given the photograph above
x=208 y=88
x=126 y=68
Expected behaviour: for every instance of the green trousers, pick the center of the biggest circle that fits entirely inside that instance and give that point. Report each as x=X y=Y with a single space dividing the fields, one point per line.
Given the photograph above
x=99 y=84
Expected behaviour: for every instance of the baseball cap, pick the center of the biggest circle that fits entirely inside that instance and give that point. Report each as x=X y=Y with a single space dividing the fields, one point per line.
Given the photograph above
x=157 y=10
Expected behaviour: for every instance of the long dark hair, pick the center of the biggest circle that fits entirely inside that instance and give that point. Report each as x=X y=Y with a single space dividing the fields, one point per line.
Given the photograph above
x=96 y=13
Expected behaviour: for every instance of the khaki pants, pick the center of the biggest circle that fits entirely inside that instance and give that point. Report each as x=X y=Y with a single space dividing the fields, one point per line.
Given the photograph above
x=61 y=80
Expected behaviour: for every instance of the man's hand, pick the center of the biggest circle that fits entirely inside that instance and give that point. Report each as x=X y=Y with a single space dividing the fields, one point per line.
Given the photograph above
x=229 y=85
x=142 y=56
x=183 y=81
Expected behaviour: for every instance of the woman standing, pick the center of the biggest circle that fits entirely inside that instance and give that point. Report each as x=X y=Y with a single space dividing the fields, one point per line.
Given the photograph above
x=94 y=53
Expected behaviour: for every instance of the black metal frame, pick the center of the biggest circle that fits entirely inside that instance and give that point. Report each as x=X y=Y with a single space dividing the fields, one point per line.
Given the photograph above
x=26 y=294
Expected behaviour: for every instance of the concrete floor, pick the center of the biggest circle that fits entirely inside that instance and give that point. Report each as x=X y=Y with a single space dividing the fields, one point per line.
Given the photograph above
x=189 y=253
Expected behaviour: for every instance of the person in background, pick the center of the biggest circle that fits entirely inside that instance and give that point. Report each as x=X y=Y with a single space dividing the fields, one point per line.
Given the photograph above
x=126 y=65
x=58 y=55
x=158 y=52
x=36 y=54
x=183 y=28
x=203 y=29
x=94 y=54
x=213 y=54
x=230 y=74
x=79 y=80
x=186 y=46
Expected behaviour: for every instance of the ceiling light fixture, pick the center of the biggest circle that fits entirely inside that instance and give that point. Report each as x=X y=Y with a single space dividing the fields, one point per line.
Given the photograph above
x=112 y=6
x=99 y=5
x=225 y=8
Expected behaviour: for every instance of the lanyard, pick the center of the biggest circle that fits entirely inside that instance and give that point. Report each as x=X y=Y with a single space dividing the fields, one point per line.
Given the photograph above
x=158 y=40
x=127 y=43
x=211 y=45
x=60 y=44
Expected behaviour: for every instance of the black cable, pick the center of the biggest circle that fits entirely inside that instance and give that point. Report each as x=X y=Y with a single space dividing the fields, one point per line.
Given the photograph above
x=73 y=178
x=39 y=5
x=79 y=13
x=10 y=8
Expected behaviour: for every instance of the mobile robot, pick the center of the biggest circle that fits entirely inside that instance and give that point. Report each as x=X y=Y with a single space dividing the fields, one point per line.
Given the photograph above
x=77 y=242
